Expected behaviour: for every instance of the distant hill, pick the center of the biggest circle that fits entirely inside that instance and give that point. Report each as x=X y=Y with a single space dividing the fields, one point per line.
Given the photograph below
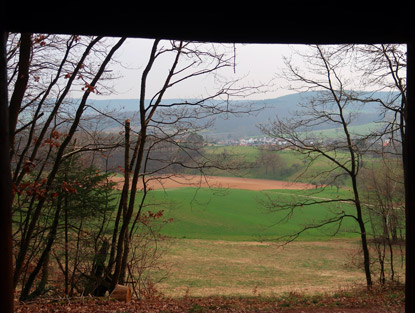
x=243 y=125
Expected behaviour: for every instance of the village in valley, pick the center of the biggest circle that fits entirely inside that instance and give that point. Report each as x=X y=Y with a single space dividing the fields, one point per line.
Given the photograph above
x=253 y=141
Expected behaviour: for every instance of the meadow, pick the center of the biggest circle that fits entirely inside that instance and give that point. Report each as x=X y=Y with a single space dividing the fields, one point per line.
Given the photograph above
x=201 y=268
x=290 y=165
x=225 y=243
x=231 y=242
x=242 y=215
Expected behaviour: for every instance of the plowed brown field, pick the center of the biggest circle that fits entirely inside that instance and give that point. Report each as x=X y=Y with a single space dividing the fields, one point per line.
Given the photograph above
x=178 y=181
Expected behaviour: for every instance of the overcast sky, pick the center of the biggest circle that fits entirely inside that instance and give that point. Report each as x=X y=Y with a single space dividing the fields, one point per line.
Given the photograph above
x=258 y=63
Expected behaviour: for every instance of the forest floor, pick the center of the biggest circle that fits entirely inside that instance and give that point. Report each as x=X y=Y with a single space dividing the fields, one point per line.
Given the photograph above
x=389 y=300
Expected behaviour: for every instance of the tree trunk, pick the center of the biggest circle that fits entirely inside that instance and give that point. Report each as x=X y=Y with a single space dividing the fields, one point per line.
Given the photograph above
x=124 y=261
x=41 y=287
x=98 y=284
x=125 y=202
x=26 y=241
x=44 y=256
x=366 y=258
x=20 y=86
x=144 y=120
x=363 y=237
x=66 y=248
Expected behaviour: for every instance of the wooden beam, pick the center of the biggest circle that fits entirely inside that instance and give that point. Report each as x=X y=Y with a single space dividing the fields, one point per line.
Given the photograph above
x=6 y=264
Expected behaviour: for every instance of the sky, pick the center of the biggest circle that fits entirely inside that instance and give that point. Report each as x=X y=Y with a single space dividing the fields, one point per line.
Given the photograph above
x=257 y=63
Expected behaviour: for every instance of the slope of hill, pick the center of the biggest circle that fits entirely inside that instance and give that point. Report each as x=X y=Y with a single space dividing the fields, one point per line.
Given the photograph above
x=245 y=125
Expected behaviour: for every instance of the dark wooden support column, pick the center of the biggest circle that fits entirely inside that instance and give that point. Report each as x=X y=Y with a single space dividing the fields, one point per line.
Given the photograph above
x=6 y=265
x=410 y=183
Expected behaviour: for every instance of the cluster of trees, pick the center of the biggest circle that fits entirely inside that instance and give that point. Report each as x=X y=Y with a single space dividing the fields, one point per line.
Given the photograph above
x=66 y=217
x=42 y=70
x=377 y=189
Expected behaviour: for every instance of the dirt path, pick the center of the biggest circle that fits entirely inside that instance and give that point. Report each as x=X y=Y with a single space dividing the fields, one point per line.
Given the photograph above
x=165 y=182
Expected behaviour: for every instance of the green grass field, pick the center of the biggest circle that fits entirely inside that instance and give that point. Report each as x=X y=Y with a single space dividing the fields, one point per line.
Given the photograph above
x=240 y=215
x=223 y=245
x=201 y=213
x=224 y=240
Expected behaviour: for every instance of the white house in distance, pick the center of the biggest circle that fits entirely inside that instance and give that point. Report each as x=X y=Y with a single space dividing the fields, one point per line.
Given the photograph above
x=261 y=141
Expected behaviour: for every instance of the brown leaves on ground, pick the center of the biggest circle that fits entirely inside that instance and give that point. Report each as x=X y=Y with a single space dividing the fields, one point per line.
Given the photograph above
x=390 y=300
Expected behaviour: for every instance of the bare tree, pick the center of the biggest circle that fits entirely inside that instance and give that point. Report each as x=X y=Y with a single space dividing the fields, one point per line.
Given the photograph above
x=383 y=191
x=164 y=124
x=50 y=131
x=271 y=161
x=384 y=69
x=331 y=104
x=45 y=147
